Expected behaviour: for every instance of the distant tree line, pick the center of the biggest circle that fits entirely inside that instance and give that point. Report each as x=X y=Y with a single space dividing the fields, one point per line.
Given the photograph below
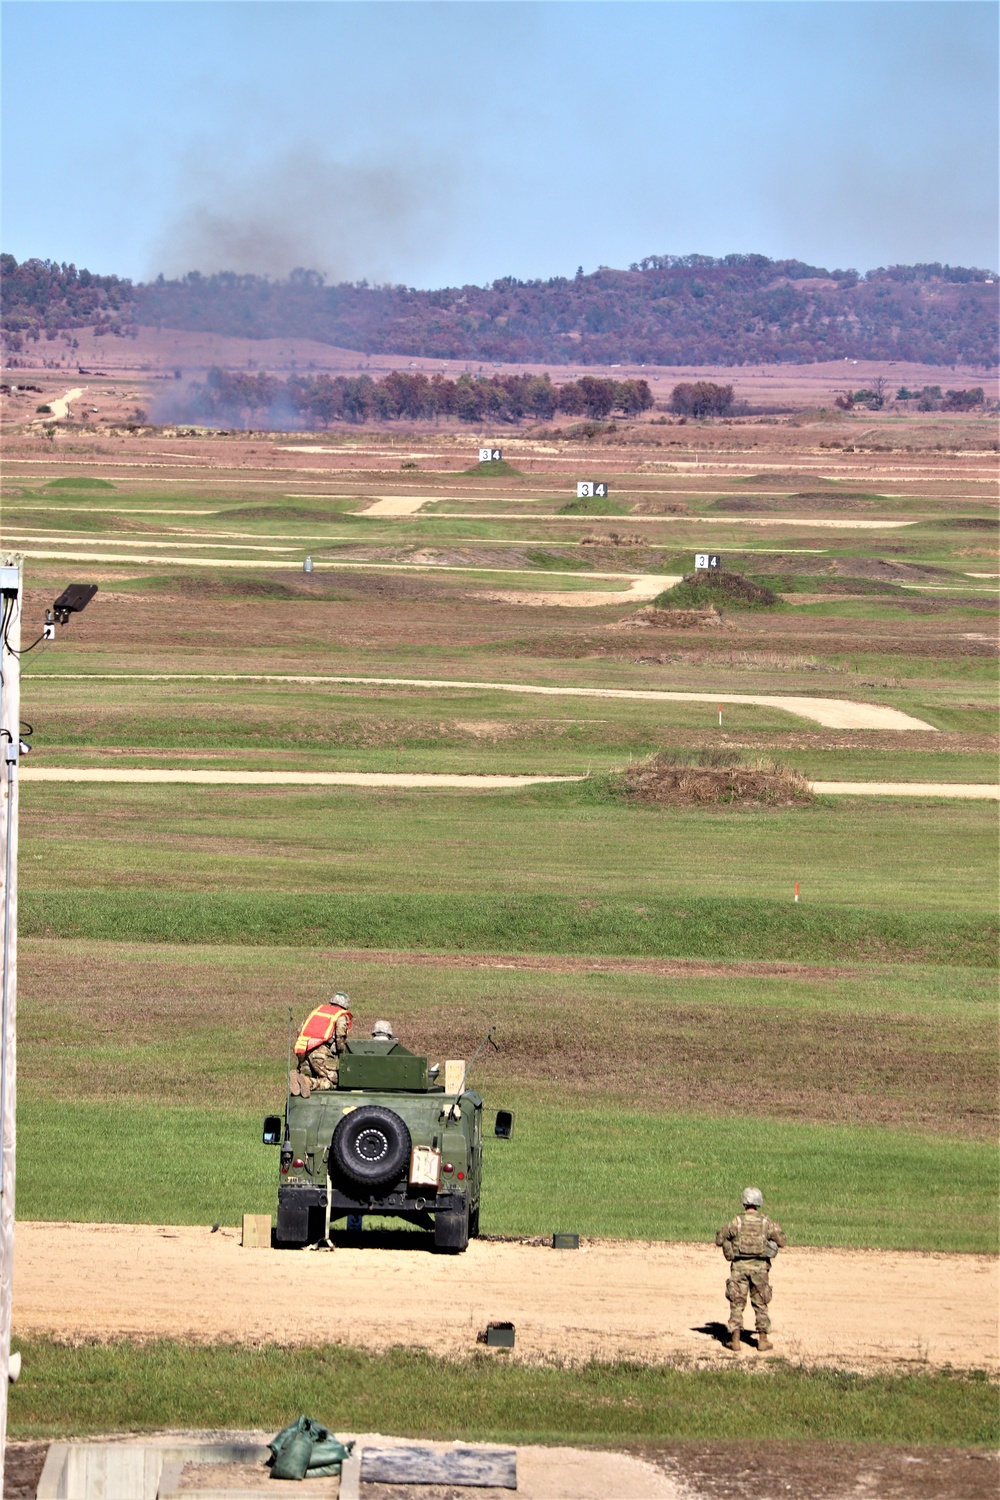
x=665 y=309
x=928 y=398
x=239 y=399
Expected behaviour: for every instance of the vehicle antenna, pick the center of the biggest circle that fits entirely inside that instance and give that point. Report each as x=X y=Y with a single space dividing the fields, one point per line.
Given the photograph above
x=487 y=1041
x=288 y=1073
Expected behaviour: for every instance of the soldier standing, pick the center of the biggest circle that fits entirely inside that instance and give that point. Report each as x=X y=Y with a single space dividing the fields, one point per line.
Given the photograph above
x=320 y=1043
x=750 y=1242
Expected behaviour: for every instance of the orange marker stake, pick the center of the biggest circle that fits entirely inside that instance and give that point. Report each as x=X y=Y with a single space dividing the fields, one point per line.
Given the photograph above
x=796 y=890
x=720 y=715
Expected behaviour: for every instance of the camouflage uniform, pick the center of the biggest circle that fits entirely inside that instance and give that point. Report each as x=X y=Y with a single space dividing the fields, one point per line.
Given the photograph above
x=322 y=1065
x=749 y=1274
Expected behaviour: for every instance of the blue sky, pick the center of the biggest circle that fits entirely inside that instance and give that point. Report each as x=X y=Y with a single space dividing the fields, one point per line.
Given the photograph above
x=440 y=144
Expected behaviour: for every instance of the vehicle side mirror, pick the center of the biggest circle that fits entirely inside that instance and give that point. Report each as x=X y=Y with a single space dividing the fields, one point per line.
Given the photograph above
x=272 y=1130
x=504 y=1127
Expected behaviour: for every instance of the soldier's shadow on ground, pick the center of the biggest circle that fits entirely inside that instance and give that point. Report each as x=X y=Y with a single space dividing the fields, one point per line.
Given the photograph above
x=717 y=1331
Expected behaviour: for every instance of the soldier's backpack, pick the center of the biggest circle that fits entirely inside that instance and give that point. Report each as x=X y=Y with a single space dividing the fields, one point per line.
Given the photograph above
x=751 y=1242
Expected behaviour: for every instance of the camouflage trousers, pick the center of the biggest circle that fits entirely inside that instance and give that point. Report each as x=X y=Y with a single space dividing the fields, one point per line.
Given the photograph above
x=749 y=1277
x=321 y=1066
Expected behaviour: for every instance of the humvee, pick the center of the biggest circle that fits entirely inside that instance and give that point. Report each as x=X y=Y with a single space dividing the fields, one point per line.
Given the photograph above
x=388 y=1140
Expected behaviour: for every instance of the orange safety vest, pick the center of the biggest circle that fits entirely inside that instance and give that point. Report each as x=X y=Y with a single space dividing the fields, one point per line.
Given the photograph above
x=319 y=1026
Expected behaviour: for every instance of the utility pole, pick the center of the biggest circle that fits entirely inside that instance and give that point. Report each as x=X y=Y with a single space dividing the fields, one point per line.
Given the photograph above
x=11 y=595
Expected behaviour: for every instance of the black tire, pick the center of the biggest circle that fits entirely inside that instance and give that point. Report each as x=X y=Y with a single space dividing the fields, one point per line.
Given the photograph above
x=474 y=1223
x=451 y=1231
x=371 y=1146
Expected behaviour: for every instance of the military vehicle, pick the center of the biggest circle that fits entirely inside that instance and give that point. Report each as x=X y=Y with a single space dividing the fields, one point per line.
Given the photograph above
x=390 y=1139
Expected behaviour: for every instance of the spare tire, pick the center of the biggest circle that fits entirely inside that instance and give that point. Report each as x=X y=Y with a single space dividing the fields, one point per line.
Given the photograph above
x=371 y=1146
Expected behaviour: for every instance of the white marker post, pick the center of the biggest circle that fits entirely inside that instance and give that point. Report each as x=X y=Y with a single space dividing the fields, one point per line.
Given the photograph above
x=720 y=715
x=11 y=595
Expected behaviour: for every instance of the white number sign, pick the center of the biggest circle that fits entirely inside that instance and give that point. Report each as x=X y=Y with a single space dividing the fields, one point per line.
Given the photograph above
x=591 y=489
x=704 y=561
x=490 y=455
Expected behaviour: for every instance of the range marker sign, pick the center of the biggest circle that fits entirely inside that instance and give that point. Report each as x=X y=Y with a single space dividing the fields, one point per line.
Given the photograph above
x=490 y=455
x=592 y=489
x=705 y=562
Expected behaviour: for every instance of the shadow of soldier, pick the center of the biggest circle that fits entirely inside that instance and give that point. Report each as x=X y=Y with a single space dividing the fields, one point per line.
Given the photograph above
x=720 y=1333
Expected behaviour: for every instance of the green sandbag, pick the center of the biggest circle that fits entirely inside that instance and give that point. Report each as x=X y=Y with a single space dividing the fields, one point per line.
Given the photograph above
x=328 y=1456
x=292 y=1461
x=306 y=1446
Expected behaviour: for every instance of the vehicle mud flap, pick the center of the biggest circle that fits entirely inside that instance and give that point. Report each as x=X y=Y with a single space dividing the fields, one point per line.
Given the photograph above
x=293 y=1222
x=451 y=1230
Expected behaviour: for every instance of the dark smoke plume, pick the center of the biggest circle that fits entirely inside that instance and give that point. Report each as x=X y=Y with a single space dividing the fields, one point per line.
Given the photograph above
x=348 y=220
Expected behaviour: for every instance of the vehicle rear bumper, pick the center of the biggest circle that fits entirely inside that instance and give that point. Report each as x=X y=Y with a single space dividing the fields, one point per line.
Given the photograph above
x=402 y=1201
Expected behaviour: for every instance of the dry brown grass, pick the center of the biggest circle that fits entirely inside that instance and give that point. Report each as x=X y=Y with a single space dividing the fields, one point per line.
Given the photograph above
x=714 y=777
x=214 y=1029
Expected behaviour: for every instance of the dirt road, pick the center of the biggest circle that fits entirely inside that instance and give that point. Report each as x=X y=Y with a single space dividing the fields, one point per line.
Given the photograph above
x=858 y=1310
x=433 y=781
x=831 y=713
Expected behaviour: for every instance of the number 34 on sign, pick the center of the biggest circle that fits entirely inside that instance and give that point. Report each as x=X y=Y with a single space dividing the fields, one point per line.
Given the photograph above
x=490 y=455
x=703 y=561
x=591 y=489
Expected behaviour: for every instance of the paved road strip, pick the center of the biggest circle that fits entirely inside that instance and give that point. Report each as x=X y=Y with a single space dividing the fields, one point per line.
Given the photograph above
x=831 y=713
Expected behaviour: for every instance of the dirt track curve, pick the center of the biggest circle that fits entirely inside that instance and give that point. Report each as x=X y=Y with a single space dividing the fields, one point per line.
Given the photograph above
x=854 y=1309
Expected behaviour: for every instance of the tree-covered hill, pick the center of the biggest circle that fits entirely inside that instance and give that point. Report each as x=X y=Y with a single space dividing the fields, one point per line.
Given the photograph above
x=694 y=309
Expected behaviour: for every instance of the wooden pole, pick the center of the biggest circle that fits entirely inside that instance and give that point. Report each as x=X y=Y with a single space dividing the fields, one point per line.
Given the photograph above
x=10 y=742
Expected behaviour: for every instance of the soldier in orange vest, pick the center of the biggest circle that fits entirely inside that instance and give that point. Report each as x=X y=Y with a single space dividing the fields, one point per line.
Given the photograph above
x=320 y=1043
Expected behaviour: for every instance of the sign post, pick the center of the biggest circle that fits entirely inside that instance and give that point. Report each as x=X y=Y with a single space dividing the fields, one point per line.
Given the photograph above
x=707 y=562
x=11 y=594
x=592 y=489
x=491 y=455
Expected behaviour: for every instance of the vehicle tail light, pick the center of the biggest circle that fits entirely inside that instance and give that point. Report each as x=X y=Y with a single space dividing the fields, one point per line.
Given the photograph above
x=461 y=1176
x=447 y=1167
x=298 y=1162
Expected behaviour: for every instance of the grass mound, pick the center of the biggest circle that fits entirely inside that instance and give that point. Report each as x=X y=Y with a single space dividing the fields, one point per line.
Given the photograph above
x=80 y=484
x=592 y=505
x=714 y=777
x=700 y=589
x=499 y=470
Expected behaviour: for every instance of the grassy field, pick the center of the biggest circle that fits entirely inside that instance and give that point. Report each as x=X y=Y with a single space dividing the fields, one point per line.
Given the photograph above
x=671 y=1024
x=128 y=1387
x=871 y=1127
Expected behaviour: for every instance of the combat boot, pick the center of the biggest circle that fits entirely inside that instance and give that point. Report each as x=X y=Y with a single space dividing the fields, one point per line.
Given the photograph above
x=735 y=1338
x=763 y=1343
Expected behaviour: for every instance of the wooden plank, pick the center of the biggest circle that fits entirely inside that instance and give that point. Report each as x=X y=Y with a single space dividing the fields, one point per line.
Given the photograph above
x=256 y=1231
x=478 y=1468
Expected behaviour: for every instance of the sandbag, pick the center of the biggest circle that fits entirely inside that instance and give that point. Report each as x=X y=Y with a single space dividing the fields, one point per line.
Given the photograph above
x=304 y=1448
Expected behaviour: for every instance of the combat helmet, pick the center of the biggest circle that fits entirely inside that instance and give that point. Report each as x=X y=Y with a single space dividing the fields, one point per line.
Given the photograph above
x=752 y=1198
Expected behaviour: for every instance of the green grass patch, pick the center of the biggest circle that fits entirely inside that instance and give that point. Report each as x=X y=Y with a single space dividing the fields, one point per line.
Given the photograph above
x=573 y=842
x=70 y=1390
x=693 y=927
x=646 y=1176
x=79 y=483
x=592 y=505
